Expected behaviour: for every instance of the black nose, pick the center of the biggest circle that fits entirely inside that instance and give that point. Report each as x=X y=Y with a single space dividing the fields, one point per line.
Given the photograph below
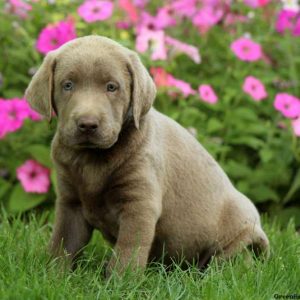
x=87 y=124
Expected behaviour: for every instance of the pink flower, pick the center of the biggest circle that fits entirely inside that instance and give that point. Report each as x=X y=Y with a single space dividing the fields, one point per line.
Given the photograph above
x=181 y=85
x=147 y=22
x=13 y=112
x=286 y=20
x=140 y=3
x=19 y=7
x=122 y=25
x=55 y=35
x=34 y=177
x=165 y=17
x=256 y=3
x=160 y=76
x=254 y=87
x=296 y=126
x=247 y=50
x=95 y=10
x=186 y=8
x=207 y=93
x=207 y=17
x=288 y=105
x=232 y=19
x=189 y=50
x=130 y=10
x=157 y=39
x=164 y=79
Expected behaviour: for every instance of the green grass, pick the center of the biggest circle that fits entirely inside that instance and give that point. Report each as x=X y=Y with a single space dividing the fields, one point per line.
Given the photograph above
x=26 y=272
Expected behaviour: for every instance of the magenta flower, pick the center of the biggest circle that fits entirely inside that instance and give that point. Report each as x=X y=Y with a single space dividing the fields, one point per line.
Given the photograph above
x=296 y=31
x=55 y=35
x=207 y=93
x=255 y=88
x=13 y=112
x=296 y=126
x=247 y=50
x=95 y=10
x=154 y=39
x=19 y=8
x=288 y=105
x=189 y=50
x=3 y=127
x=286 y=20
x=34 y=177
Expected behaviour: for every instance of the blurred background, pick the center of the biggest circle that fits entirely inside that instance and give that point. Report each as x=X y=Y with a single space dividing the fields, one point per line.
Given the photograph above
x=226 y=70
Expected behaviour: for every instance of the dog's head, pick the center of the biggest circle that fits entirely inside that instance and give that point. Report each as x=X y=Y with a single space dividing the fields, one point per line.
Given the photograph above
x=94 y=85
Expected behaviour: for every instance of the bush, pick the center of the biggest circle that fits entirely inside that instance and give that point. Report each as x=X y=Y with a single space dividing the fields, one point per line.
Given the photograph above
x=240 y=101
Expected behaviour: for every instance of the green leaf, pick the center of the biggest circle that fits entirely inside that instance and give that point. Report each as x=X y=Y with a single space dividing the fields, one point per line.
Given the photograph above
x=245 y=113
x=266 y=155
x=4 y=187
x=237 y=170
x=293 y=189
x=248 y=141
x=263 y=193
x=190 y=116
x=41 y=154
x=53 y=178
x=21 y=201
x=214 y=125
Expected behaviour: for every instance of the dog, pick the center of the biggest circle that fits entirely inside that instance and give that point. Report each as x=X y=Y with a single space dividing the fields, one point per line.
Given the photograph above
x=129 y=171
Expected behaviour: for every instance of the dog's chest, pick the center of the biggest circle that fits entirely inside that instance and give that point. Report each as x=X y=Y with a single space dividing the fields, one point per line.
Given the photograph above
x=103 y=216
x=101 y=208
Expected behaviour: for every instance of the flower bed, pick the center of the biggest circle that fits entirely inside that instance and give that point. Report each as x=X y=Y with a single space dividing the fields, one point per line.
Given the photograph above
x=227 y=70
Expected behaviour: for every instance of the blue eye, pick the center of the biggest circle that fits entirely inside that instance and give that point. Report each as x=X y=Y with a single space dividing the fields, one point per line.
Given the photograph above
x=68 y=85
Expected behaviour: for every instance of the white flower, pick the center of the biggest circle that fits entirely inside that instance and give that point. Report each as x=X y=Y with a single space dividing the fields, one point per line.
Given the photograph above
x=291 y=5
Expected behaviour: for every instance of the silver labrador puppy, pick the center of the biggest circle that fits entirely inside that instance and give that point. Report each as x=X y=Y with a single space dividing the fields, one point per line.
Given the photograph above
x=129 y=171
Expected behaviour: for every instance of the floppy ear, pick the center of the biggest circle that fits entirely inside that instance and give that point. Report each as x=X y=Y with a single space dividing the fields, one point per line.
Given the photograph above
x=40 y=91
x=143 y=90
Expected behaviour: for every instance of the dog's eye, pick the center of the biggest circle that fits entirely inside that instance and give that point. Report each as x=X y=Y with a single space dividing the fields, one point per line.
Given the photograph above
x=68 y=85
x=111 y=87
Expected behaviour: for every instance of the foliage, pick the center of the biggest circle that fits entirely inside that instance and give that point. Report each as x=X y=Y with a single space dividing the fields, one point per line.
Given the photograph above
x=255 y=144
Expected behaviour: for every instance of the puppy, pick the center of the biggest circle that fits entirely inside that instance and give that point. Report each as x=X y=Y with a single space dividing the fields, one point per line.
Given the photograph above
x=129 y=171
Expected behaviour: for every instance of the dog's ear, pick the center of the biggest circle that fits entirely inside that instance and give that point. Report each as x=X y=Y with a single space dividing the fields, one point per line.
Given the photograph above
x=40 y=91
x=143 y=90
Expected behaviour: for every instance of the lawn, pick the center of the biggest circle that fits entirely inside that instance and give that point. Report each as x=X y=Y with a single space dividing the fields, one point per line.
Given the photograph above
x=28 y=273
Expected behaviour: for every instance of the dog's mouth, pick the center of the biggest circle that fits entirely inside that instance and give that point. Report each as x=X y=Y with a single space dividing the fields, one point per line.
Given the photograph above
x=90 y=144
x=91 y=141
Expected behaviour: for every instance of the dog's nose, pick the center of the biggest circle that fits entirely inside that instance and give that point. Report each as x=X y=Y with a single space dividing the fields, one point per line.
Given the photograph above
x=88 y=124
